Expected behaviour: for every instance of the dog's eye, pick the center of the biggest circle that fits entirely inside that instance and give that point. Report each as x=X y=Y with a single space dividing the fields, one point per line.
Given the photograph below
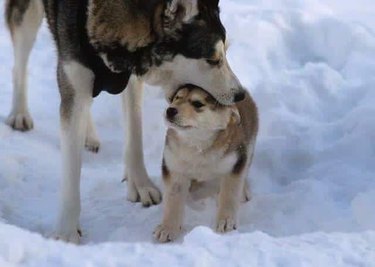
x=213 y=62
x=197 y=104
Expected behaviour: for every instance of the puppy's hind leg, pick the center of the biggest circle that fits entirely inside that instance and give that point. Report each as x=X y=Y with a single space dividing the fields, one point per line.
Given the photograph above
x=246 y=195
x=140 y=187
x=23 y=20
x=75 y=84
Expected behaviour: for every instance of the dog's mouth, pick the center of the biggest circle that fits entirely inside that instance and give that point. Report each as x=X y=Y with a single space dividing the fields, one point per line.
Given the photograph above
x=177 y=125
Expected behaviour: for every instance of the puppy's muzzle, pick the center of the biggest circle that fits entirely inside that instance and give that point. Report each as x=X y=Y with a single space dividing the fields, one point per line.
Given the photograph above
x=171 y=113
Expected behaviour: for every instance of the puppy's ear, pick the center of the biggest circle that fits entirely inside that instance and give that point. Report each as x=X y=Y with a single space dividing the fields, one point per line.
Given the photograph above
x=235 y=114
x=171 y=95
x=170 y=98
x=178 y=12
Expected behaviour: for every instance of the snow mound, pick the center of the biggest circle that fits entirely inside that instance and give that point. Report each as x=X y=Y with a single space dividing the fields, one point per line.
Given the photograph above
x=201 y=247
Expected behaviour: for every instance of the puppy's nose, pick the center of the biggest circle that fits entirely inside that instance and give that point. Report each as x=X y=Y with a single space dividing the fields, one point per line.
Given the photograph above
x=239 y=96
x=171 y=112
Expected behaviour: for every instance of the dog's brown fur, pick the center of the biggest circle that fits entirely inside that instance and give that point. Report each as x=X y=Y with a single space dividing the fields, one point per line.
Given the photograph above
x=122 y=22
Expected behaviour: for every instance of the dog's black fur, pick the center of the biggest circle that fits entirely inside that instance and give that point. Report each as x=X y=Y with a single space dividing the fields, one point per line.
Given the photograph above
x=68 y=19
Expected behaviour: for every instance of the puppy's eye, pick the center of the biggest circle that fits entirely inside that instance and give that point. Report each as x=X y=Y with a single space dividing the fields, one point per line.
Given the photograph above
x=197 y=104
x=213 y=62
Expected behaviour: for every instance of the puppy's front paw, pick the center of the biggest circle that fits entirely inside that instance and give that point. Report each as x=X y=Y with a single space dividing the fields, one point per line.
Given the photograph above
x=226 y=224
x=73 y=237
x=164 y=233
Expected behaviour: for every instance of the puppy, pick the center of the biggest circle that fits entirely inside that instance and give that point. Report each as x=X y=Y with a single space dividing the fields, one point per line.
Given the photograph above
x=208 y=147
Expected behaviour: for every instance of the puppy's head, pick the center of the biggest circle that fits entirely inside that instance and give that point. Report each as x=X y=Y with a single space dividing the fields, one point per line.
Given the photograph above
x=193 y=109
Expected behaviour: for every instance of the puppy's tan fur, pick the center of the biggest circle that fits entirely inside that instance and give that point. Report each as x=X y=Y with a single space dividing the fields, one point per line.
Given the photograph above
x=207 y=149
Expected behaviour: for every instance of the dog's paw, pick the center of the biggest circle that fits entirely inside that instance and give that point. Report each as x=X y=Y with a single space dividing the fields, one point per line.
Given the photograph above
x=165 y=233
x=73 y=237
x=226 y=224
x=148 y=195
x=20 y=121
x=92 y=144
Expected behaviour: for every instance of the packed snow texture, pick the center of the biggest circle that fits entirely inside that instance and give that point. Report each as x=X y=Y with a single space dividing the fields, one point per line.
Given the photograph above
x=310 y=66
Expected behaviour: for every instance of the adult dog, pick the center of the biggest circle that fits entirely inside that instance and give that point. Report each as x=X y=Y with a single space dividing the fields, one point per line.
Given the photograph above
x=113 y=45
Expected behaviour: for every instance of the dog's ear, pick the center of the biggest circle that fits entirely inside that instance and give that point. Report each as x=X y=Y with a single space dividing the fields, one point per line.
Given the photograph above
x=235 y=114
x=179 y=11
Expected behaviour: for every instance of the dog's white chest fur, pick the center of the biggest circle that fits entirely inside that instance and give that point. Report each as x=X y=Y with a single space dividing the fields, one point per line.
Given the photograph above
x=199 y=165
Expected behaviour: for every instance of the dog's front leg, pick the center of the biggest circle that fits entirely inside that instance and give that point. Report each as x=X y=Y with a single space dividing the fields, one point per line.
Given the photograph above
x=140 y=187
x=231 y=189
x=75 y=84
x=24 y=25
x=176 y=190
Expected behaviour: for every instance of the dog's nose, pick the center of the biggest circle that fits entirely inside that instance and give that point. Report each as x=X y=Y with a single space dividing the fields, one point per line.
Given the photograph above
x=171 y=112
x=239 y=96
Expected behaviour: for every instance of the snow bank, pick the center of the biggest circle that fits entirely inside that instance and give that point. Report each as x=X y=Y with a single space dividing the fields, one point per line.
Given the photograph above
x=309 y=64
x=201 y=247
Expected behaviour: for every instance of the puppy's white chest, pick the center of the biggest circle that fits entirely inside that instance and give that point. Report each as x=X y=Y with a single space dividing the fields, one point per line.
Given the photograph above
x=198 y=165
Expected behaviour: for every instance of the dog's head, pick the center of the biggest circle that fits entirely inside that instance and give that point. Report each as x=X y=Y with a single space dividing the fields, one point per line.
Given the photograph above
x=193 y=109
x=193 y=50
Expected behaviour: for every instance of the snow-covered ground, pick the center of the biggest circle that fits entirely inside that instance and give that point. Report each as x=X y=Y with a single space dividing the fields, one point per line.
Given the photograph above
x=310 y=66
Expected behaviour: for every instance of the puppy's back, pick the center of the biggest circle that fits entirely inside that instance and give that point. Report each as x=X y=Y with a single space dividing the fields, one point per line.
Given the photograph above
x=249 y=118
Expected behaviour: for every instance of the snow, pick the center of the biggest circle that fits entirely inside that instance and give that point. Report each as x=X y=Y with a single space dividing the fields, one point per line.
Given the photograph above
x=201 y=247
x=309 y=65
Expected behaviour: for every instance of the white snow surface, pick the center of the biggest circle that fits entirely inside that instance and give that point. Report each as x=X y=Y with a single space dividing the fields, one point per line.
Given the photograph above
x=310 y=66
